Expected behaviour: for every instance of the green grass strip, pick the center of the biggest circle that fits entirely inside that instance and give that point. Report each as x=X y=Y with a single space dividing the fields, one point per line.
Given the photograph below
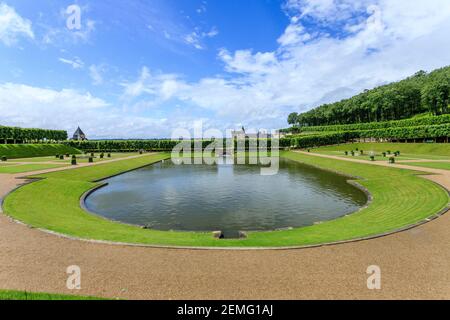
x=401 y=198
x=433 y=165
x=28 y=168
x=24 y=295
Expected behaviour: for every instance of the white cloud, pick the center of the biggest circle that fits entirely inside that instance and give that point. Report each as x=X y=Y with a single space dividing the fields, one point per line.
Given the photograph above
x=75 y=63
x=243 y=61
x=96 y=74
x=375 y=41
x=66 y=109
x=13 y=26
x=383 y=41
x=196 y=37
x=161 y=86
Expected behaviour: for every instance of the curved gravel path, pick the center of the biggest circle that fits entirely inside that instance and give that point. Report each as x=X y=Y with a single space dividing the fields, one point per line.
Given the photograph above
x=414 y=265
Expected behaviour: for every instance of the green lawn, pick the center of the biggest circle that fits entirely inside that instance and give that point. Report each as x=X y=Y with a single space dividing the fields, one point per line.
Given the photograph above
x=27 y=168
x=16 y=151
x=401 y=198
x=433 y=165
x=409 y=151
x=80 y=158
x=23 y=295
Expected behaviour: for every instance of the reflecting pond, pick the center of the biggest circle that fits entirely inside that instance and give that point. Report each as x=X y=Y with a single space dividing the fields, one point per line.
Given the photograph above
x=225 y=197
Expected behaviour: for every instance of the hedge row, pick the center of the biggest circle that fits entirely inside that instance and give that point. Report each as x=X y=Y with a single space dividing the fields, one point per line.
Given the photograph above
x=419 y=132
x=148 y=145
x=26 y=135
x=425 y=121
x=308 y=141
x=317 y=140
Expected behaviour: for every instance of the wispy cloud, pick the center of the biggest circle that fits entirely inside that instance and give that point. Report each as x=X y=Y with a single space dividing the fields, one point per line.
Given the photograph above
x=96 y=74
x=13 y=26
x=311 y=68
x=196 y=37
x=75 y=63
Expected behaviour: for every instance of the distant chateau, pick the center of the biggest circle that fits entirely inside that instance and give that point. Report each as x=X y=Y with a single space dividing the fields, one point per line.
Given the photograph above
x=241 y=134
x=79 y=135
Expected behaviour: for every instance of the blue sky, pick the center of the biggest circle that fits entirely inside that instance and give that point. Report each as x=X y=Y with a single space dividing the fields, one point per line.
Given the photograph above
x=142 y=69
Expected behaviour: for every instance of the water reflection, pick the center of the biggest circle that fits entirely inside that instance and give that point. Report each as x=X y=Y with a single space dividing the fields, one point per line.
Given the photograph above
x=225 y=197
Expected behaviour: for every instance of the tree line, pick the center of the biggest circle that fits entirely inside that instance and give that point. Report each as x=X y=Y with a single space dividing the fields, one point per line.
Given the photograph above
x=422 y=93
x=27 y=135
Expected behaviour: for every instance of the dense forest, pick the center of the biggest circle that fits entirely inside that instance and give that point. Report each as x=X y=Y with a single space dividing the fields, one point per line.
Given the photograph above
x=421 y=93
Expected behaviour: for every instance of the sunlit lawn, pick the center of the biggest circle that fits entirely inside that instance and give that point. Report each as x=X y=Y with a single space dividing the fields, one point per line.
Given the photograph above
x=83 y=158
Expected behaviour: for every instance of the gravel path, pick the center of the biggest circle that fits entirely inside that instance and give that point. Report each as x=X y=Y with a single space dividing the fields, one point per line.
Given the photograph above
x=414 y=265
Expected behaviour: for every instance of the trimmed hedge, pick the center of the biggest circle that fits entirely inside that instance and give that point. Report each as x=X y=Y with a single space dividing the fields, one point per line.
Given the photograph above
x=25 y=134
x=15 y=151
x=415 y=122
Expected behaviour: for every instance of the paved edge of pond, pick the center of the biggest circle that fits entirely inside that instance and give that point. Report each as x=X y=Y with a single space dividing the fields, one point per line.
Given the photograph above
x=414 y=265
x=432 y=171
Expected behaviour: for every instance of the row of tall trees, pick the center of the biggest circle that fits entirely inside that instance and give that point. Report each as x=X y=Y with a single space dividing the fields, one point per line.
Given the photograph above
x=26 y=135
x=421 y=93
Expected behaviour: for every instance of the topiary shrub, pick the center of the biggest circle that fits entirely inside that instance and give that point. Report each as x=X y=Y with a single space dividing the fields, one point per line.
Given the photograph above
x=346 y=153
x=92 y=154
x=384 y=154
x=91 y=160
x=361 y=152
x=109 y=155
x=102 y=155
x=372 y=158
x=4 y=158
x=61 y=157
x=57 y=156
x=74 y=161
x=353 y=153
x=392 y=160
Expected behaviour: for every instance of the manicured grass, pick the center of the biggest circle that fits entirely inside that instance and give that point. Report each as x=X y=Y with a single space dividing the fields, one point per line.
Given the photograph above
x=16 y=151
x=80 y=158
x=432 y=151
x=23 y=295
x=434 y=165
x=27 y=168
x=401 y=198
x=408 y=151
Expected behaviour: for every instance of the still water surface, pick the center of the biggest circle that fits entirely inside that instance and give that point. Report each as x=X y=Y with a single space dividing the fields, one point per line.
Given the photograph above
x=230 y=198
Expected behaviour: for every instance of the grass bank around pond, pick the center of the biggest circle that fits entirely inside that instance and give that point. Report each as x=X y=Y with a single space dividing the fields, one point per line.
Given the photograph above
x=400 y=198
x=432 y=151
x=22 y=168
x=23 y=295
x=16 y=151
x=433 y=165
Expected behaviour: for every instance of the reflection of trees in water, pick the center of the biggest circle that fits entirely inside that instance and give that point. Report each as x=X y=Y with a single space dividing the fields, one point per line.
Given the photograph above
x=322 y=179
